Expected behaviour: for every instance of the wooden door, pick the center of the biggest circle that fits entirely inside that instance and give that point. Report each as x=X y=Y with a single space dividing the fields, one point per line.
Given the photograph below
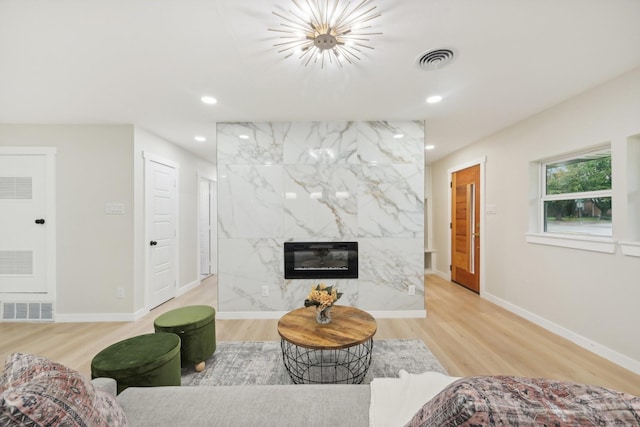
x=465 y=227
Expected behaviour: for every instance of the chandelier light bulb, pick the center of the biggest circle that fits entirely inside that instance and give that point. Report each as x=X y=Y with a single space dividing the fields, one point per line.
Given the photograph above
x=314 y=26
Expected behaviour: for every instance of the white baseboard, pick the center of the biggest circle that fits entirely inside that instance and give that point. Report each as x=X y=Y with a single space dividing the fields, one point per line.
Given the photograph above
x=594 y=347
x=398 y=314
x=138 y=314
x=378 y=314
x=184 y=289
x=243 y=315
x=443 y=275
x=117 y=317
x=95 y=317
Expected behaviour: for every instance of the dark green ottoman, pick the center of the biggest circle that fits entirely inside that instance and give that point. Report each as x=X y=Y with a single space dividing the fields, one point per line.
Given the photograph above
x=142 y=361
x=196 y=326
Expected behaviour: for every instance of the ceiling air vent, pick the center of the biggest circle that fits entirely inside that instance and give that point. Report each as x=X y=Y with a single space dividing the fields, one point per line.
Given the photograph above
x=436 y=59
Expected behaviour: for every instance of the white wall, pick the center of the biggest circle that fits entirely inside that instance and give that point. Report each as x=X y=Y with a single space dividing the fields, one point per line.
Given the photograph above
x=94 y=250
x=591 y=298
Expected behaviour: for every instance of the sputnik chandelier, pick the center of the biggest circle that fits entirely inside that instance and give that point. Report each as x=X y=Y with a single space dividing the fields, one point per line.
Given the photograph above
x=325 y=31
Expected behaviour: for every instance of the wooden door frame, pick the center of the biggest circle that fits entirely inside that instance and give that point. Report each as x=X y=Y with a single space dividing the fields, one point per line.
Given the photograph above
x=478 y=162
x=148 y=158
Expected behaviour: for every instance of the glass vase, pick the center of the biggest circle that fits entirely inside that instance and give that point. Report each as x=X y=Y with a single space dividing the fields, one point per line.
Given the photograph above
x=323 y=316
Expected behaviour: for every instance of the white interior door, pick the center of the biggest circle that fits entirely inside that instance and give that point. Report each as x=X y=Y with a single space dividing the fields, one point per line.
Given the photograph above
x=205 y=227
x=24 y=224
x=213 y=248
x=161 y=216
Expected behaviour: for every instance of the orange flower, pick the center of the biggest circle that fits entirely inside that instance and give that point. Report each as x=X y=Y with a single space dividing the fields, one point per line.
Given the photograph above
x=322 y=296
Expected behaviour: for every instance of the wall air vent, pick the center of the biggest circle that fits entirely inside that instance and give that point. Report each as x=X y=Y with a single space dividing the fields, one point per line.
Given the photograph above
x=16 y=263
x=27 y=311
x=436 y=59
x=15 y=188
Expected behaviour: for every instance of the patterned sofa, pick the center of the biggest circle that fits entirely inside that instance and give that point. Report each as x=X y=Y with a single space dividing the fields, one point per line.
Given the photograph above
x=434 y=399
x=514 y=401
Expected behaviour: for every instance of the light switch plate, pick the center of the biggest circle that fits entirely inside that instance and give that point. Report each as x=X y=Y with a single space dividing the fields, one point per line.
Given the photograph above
x=114 y=209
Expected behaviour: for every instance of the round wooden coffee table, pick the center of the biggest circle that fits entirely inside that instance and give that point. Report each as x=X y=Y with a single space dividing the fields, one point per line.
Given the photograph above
x=338 y=352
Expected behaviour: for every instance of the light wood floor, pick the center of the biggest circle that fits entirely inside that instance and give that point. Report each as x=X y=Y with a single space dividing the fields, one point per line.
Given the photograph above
x=469 y=335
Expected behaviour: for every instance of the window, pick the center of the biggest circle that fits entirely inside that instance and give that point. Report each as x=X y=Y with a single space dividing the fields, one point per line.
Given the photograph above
x=576 y=195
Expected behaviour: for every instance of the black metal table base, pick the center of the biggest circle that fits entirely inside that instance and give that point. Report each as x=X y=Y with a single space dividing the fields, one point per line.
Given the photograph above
x=342 y=366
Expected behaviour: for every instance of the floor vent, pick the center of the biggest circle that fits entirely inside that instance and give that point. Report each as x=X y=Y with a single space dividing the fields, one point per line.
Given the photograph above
x=27 y=311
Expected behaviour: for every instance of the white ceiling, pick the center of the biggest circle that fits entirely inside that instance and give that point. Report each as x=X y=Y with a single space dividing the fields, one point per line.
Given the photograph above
x=147 y=62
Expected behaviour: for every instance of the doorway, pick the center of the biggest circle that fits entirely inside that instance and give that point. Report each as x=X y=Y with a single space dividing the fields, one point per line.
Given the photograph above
x=207 y=227
x=465 y=227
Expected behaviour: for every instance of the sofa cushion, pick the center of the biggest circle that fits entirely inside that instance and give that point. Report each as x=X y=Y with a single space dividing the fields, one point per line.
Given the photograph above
x=248 y=405
x=394 y=401
x=22 y=368
x=504 y=400
x=37 y=391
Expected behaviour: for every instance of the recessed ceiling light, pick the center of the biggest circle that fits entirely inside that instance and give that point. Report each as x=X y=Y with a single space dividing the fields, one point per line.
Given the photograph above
x=398 y=136
x=429 y=147
x=200 y=138
x=209 y=100
x=434 y=99
x=243 y=136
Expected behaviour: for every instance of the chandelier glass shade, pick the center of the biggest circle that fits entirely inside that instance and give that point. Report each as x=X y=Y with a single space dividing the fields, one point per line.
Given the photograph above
x=326 y=31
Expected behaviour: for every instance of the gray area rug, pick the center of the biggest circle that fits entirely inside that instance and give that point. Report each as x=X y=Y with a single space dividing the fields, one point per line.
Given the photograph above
x=260 y=363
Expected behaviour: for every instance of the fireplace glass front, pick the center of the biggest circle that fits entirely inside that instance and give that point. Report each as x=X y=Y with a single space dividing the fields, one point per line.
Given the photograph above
x=321 y=260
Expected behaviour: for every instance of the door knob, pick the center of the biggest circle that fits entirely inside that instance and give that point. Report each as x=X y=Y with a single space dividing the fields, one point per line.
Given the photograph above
x=40 y=221
x=153 y=243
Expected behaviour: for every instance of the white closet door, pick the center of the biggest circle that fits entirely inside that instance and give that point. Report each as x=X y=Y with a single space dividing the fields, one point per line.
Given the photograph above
x=23 y=224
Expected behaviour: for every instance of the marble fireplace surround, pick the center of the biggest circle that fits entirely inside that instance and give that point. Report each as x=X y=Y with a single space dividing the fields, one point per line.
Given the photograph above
x=325 y=182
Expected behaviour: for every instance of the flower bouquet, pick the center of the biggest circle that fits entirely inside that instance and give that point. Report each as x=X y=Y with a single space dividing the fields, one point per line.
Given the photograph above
x=322 y=297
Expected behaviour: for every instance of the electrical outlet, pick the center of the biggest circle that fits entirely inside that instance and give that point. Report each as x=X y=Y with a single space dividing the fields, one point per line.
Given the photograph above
x=412 y=289
x=265 y=291
x=120 y=292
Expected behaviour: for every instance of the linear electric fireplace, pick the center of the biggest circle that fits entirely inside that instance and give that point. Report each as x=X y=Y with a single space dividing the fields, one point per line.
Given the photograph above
x=321 y=260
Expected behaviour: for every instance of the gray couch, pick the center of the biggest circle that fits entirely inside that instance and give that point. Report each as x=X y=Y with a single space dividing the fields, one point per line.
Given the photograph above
x=481 y=400
x=260 y=405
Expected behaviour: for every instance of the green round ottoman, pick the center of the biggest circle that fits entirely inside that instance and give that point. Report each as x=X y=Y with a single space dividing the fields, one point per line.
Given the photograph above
x=195 y=324
x=143 y=361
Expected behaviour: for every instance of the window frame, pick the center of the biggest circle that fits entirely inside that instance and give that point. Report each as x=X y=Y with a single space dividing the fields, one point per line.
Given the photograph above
x=584 y=241
x=544 y=197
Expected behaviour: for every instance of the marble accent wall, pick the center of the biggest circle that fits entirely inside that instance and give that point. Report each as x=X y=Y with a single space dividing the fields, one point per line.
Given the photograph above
x=320 y=181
